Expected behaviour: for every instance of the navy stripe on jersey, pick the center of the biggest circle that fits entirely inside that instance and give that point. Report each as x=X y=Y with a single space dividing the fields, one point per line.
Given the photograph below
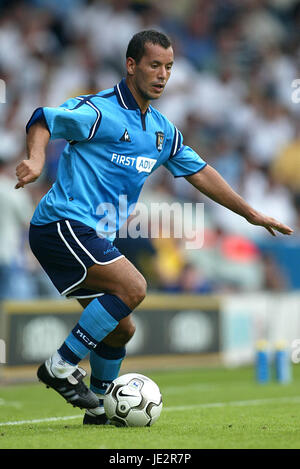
x=83 y=100
x=125 y=97
x=177 y=142
x=107 y=95
x=120 y=97
x=95 y=126
x=37 y=116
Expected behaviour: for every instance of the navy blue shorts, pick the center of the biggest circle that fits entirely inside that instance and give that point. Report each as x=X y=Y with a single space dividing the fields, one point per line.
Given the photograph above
x=66 y=249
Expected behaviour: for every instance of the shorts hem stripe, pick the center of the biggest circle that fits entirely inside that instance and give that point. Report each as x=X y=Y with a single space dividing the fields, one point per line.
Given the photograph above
x=86 y=251
x=86 y=296
x=67 y=290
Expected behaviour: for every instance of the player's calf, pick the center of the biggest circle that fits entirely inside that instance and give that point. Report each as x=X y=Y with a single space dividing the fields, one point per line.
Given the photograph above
x=122 y=334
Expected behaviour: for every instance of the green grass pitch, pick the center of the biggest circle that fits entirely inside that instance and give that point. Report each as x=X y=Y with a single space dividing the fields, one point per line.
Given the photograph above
x=203 y=408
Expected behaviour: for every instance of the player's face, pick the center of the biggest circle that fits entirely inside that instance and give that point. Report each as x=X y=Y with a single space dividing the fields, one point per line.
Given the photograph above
x=152 y=73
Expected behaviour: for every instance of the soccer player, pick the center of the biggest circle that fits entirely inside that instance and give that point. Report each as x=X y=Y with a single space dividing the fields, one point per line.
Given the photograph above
x=116 y=139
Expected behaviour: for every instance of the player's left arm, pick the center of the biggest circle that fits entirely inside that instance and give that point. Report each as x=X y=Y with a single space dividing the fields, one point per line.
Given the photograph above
x=210 y=182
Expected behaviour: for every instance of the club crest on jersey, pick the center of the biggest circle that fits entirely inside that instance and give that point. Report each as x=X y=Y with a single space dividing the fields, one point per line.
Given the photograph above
x=160 y=136
x=125 y=137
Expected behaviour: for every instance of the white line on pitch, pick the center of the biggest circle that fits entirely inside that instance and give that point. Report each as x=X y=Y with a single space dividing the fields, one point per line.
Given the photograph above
x=253 y=402
x=49 y=419
x=293 y=399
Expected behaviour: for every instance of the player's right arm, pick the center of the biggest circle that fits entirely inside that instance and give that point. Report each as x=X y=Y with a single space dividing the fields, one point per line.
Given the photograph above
x=37 y=140
x=76 y=120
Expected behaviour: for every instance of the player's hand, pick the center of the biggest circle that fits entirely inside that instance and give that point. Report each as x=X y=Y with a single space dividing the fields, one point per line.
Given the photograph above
x=270 y=224
x=28 y=171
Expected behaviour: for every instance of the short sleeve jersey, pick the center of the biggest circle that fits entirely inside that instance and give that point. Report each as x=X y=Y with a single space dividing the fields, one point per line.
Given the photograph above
x=111 y=150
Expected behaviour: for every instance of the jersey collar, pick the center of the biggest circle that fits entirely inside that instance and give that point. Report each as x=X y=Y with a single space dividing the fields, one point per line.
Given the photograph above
x=125 y=97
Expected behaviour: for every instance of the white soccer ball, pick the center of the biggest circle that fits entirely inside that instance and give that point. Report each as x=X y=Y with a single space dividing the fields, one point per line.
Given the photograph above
x=133 y=400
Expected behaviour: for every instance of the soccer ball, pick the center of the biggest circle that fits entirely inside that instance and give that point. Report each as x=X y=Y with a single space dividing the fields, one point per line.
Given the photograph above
x=133 y=400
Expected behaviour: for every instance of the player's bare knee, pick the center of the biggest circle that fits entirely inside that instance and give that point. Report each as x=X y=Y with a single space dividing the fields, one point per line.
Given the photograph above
x=130 y=331
x=134 y=293
x=126 y=333
x=141 y=289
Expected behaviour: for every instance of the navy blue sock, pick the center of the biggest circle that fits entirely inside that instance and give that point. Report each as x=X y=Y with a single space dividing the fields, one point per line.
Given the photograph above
x=105 y=364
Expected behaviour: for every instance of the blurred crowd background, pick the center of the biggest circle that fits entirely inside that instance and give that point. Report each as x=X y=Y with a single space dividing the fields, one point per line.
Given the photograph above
x=231 y=94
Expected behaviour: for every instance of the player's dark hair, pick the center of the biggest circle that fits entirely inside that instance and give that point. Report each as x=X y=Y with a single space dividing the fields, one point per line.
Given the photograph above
x=136 y=46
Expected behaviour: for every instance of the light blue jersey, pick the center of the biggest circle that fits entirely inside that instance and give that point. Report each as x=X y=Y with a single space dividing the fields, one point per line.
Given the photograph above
x=112 y=148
